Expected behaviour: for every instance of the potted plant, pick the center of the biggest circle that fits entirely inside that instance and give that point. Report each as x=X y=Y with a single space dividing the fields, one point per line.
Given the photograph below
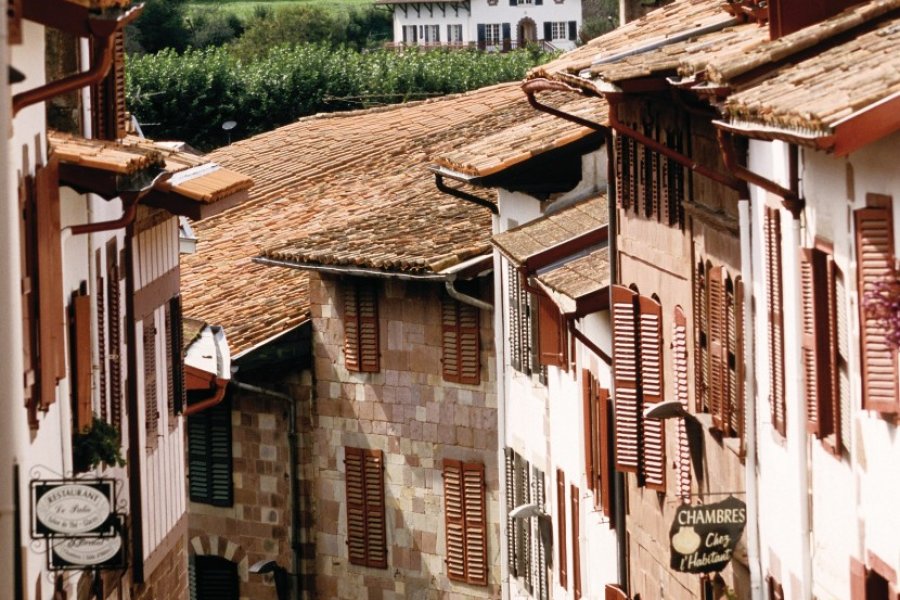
x=99 y=443
x=882 y=302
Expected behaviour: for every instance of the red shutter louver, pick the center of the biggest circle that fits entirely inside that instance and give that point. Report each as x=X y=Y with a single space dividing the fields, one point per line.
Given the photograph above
x=101 y=336
x=81 y=360
x=701 y=338
x=621 y=172
x=606 y=452
x=366 y=531
x=874 y=265
x=818 y=339
x=151 y=401
x=110 y=118
x=576 y=542
x=561 y=528
x=589 y=419
x=454 y=521
x=718 y=359
x=28 y=283
x=361 y=347
x=857 y=580
x=551 y=334
x=775 y=319
x=465 y=522
x=680 y=391
x=625 y=368
x=614 y=592
x=651 y=362
x=115 y=338
x=735 y=409
x=461 y=350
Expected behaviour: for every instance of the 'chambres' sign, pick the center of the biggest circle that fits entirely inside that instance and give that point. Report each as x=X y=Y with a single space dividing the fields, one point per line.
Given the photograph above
x=704 y=537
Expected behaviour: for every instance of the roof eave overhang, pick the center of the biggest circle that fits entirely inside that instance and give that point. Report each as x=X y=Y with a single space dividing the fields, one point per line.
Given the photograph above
x=350 y=270
x=181 y=205
x=557 y=252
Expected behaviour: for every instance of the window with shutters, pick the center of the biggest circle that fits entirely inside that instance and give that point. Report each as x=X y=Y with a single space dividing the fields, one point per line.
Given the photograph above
x=637 y=369
x=561 y=526
x=552 y=338
x=176 y=393
x=454 y=34
x=522 y=311
x=647 y=184
x=680 y=393
x=527 y=554
x=718 y=334
x=366 y=530
x=215 y=578
x=461 y=349
x=110 y=118
x=875 y=263
x=774 y=308
x=43 y=310
x=465 y=521
x=576 y=542
x=598 y=442
x=822 y=362
x=151 y=394
x=558 y=30
x=114 y=316
x=80 y=359
x=209 y=455
x=361 y=345
x=100 y=308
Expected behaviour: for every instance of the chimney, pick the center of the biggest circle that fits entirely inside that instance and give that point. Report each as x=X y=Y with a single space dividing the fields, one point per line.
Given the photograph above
x=788 y=16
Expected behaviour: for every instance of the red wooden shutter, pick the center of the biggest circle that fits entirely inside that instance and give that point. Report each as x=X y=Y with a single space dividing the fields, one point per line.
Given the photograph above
x=589 y=427
x=576 y=544
x=818 y=341
x=454 y=520
x=81 y=360
x=621 y=174
x=461 y=349
x=680 y=393
x=551 y=335
x=606 y=452
x=30 y=318
x=625 y=369
x=100 y=302
x=14 y=21
x=151 y=402
x=110 y=118
x=115 y=336
x=51 y=310
x=361 y=347
x=366 y=531
x=475 y=505
x=775 y=318
x=857 y=580
x=718 y=359
x=701 y=338
x=651 y=362
x=875 y=264
x=735 y=307
x=561 y=528
x=614 y=592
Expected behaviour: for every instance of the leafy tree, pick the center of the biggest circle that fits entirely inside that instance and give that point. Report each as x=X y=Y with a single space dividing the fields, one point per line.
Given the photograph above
x=162 y=25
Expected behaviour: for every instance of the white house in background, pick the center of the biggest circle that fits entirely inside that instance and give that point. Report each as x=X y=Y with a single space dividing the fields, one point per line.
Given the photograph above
x=498 y=25
x=552 y=277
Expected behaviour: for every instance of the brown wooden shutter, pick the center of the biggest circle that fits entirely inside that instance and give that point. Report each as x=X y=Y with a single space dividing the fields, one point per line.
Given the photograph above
x=454 y=520
x=460 y=343
x=115 y=335
x=151 y=401
x=576 y=542
x=176 y=326
x=625 y=369
x=510 y=490
x=366 y=531
x=606 y=425
x=857 y=580
x=51 y=310
x=651 y=361
x=680 y=393
x=614 y=592
x=735 y=305
x=818 y=341
x=561 y=528
x=30 y=315
x=775 y=319
x=514 y=310
x=718 y=359
x=14 y=21
x=621 y=172
x=589 y=423
x=701 y=338
x=110 y=117
x=100 y=303
x=875 y=264
x=475 y=505
x=551 y=334
x=361 y=346
x=81 y=360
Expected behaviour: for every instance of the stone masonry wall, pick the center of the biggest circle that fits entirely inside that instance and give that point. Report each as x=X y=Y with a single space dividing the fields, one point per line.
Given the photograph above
x=417 y=420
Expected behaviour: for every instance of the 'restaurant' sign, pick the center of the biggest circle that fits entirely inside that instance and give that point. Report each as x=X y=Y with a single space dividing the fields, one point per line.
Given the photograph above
x=72 y=553
x=82 y=508
x=704 y=537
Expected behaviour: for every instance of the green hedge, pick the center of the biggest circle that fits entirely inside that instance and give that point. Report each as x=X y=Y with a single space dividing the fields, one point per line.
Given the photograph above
x=188 y=96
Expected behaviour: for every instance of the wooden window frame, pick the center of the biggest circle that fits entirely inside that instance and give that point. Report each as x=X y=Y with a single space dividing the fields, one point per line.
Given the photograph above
x=210 y=466
x=365 y=504
x=465 y=522
x=460 y=342
x=362 y=352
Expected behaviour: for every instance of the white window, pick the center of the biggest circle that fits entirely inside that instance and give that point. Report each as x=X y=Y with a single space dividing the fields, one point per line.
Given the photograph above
x=429 y=34
x=492 y=34
x=410 y=34
x=454 y=34
x=558 y=30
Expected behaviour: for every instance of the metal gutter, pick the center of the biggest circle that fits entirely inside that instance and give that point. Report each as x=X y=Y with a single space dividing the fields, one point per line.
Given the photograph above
x=357 y=271
x=458 y=193
x=103 y=32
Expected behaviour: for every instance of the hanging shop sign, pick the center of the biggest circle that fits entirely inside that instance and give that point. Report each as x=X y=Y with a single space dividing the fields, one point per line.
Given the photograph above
x=72 y=508
x=96 y=553
x=704 y=538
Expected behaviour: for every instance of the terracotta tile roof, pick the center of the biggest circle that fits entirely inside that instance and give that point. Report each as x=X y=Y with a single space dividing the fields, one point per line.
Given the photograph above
x=350 y=188
x=579 y=277
x=533 y=238
x=194 y=177
x=672 y=19
x=101 y=4
x=515 y=145
x=817 y=93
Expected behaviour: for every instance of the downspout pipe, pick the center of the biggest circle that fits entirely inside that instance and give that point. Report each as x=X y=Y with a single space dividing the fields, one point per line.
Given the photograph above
x=463 y=195
x=750 y=476
x=791 y=199
x=102 y=62
x=465 y=298
x=533 y=86
x=130 y=201
x=293 y=457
